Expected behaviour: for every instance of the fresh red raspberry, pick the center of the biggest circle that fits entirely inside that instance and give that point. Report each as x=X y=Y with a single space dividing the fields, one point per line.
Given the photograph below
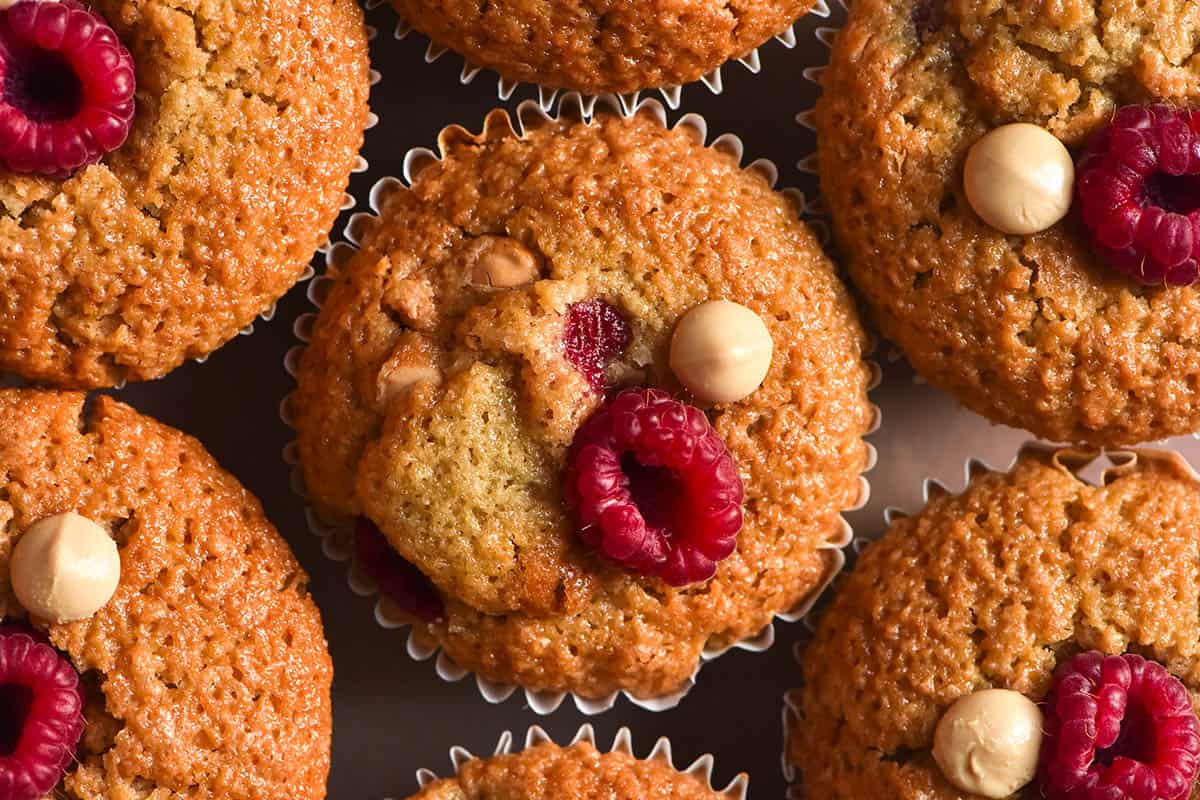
x=398 y=580
x=928 y=16
x=1118 y=728
x=41 y=719
x=653 y=487
x=594 y=334
x=68 y=87
x=1138 y=188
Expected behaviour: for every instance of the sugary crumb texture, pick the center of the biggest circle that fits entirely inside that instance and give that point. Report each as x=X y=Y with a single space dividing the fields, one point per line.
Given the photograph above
x=578 y=772
x=993 y=588
x=1032 y=331
x=207 y=674
x=249 y=119
x=463 y=476
x=601 y=47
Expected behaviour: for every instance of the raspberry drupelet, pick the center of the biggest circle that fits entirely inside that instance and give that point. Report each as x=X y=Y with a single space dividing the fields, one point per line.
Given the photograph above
x=653 y=488
x=67 y=93
x=1118 y=728
x=41 y=715
x=1138 y=189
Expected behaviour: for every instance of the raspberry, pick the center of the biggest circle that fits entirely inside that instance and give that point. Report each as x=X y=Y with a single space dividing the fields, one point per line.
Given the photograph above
x=398 y=580
x=1138 y=189
x=1118 y=728
x=927 y=17
x=68 y=86
x=653 y=487
x=594 y=334
x=42 y=717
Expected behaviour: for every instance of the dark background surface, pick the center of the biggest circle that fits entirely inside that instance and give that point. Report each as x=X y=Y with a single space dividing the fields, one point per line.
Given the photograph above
x=393 y=715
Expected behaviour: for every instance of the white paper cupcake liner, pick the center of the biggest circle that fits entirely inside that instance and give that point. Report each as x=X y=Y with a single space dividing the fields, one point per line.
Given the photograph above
x=1093 y=465
x=701 y=768
x=546 y=95
x=337 y=539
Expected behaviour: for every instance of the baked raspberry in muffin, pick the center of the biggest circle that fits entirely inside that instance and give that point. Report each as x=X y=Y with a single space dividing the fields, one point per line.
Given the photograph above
x=166 y=172
x=595 y=49
x=1017 y=191
x=1034 y=636
x=158 y=639
x=544 y=770
x=567 y=488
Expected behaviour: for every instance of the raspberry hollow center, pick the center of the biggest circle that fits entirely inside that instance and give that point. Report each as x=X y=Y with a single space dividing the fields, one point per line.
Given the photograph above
x=1136 y=739
x=657 y=492
x=16 y=701
x=1176 y=194
x=43 y=86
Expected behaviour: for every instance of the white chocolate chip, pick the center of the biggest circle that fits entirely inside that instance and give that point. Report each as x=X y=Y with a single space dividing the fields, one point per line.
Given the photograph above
x=721 y=351
x=412 y=361
x=987 y=743
x=65 y=568
x=500 y=262
x=1019 y=178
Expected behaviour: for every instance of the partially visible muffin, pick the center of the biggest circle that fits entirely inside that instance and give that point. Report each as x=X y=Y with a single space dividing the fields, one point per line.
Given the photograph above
x=1002 y=587
x=1043 y=330
x=614 y=48
x=206 y=674
x=492 y=322
x=580 y=772
x=247 y=121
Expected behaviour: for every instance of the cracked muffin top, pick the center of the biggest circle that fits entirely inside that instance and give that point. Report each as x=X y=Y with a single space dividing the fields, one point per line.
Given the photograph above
x=206 y=674
x=602 y=48
x=511 y=294
x=173 y=242
x=577 y=772
x=995 y=588
x=1048 y=330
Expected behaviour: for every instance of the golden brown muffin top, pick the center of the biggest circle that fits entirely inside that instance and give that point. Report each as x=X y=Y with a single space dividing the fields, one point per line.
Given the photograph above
x=994 y=588
x=601 y=47
x=1032 y=331
x=464 y=476
x=207 y=673
x=578 y=772
x=249 y=120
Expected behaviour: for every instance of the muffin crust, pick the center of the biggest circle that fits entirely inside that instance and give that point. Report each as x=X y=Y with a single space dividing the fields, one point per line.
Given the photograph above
x=207 y=673
x=993 y=588
x=208 y=213
x=601 y=47
x=578 y=772
x=463 y=476
x=1031 y=331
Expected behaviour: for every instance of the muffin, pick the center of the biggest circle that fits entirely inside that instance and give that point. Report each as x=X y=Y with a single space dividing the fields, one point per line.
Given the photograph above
x=1047 y=280
x=168 y=176
x=546 y=771
x=158 y=637
x=1034 y=636
x=600 y=389
x=616 y=48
